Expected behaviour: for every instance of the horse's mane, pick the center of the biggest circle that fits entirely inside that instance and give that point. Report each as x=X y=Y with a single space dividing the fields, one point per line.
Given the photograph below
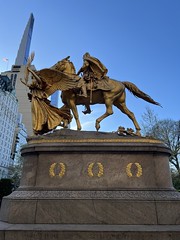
x=72 y=66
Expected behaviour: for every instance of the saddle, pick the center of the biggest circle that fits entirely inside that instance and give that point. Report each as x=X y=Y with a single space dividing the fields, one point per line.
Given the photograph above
x=102 y=84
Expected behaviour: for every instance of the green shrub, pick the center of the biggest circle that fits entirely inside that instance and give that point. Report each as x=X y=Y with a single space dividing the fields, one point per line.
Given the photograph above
x=176 y=182
x=6 y=187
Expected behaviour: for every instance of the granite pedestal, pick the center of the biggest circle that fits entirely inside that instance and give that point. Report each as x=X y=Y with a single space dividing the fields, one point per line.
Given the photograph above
x=90 y=185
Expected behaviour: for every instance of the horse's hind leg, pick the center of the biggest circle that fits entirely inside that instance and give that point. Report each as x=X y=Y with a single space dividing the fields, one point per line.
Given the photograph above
x=122 y=106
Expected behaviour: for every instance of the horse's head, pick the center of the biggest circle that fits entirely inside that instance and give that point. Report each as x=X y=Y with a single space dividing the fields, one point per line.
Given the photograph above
x=65 y=65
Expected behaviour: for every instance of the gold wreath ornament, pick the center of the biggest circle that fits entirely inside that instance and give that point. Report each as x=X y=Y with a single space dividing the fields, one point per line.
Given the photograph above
x=100 y=167
x=139 y=170
x=61 y=172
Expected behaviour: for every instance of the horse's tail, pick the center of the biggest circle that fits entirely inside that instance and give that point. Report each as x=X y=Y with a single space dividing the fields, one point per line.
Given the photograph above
x=138 y=93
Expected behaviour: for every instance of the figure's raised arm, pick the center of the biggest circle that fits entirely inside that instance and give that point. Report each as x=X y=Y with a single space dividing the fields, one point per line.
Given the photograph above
x=34 y=75
x=25 y=83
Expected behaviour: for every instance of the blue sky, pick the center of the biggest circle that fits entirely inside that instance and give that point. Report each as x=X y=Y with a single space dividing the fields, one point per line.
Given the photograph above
x=137 y=40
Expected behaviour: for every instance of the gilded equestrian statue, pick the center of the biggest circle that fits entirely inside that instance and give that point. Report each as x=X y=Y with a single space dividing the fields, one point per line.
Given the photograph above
x=62 y=76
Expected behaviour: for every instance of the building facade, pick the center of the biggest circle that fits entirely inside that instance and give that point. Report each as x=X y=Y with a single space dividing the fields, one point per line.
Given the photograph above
x=20 y=138
x=14 y=103
x=17 y=72
x=8 y=121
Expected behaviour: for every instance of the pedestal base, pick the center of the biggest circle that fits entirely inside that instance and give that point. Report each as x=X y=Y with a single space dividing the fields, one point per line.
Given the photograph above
x=92 y=207
x=89 y=185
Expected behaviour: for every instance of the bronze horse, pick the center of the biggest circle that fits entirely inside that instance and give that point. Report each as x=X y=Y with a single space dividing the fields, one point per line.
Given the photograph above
x=68 y=84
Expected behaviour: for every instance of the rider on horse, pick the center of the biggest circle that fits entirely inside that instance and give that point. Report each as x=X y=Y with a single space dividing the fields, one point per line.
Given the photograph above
x=94 y=75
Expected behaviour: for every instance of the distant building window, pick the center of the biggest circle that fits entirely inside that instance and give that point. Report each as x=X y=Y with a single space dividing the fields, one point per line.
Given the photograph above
x=14 y=80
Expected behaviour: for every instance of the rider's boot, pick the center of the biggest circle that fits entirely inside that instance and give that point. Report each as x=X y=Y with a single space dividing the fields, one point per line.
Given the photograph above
x=87 y=110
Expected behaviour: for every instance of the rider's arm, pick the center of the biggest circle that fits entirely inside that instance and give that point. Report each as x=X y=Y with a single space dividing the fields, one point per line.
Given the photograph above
x=83 y=68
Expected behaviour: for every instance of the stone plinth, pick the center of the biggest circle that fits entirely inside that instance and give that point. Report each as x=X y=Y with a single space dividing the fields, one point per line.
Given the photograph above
x=94 y=179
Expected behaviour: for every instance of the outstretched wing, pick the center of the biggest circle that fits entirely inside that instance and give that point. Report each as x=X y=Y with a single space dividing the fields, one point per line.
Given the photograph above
x=57 y=80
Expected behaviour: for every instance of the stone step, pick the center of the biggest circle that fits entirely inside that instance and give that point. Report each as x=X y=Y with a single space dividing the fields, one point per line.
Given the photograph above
x=88 y=232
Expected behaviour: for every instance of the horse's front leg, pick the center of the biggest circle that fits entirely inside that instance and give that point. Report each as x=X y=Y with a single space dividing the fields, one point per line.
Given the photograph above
x=109 y=111
x=73 y=107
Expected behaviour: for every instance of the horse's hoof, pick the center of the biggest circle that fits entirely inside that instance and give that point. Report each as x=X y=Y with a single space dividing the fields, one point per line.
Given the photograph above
x=97 y=126
x=138 y=133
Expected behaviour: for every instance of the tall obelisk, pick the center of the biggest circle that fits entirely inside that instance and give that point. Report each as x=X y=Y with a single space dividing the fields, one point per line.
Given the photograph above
x=17 y=73
x=23 y=52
